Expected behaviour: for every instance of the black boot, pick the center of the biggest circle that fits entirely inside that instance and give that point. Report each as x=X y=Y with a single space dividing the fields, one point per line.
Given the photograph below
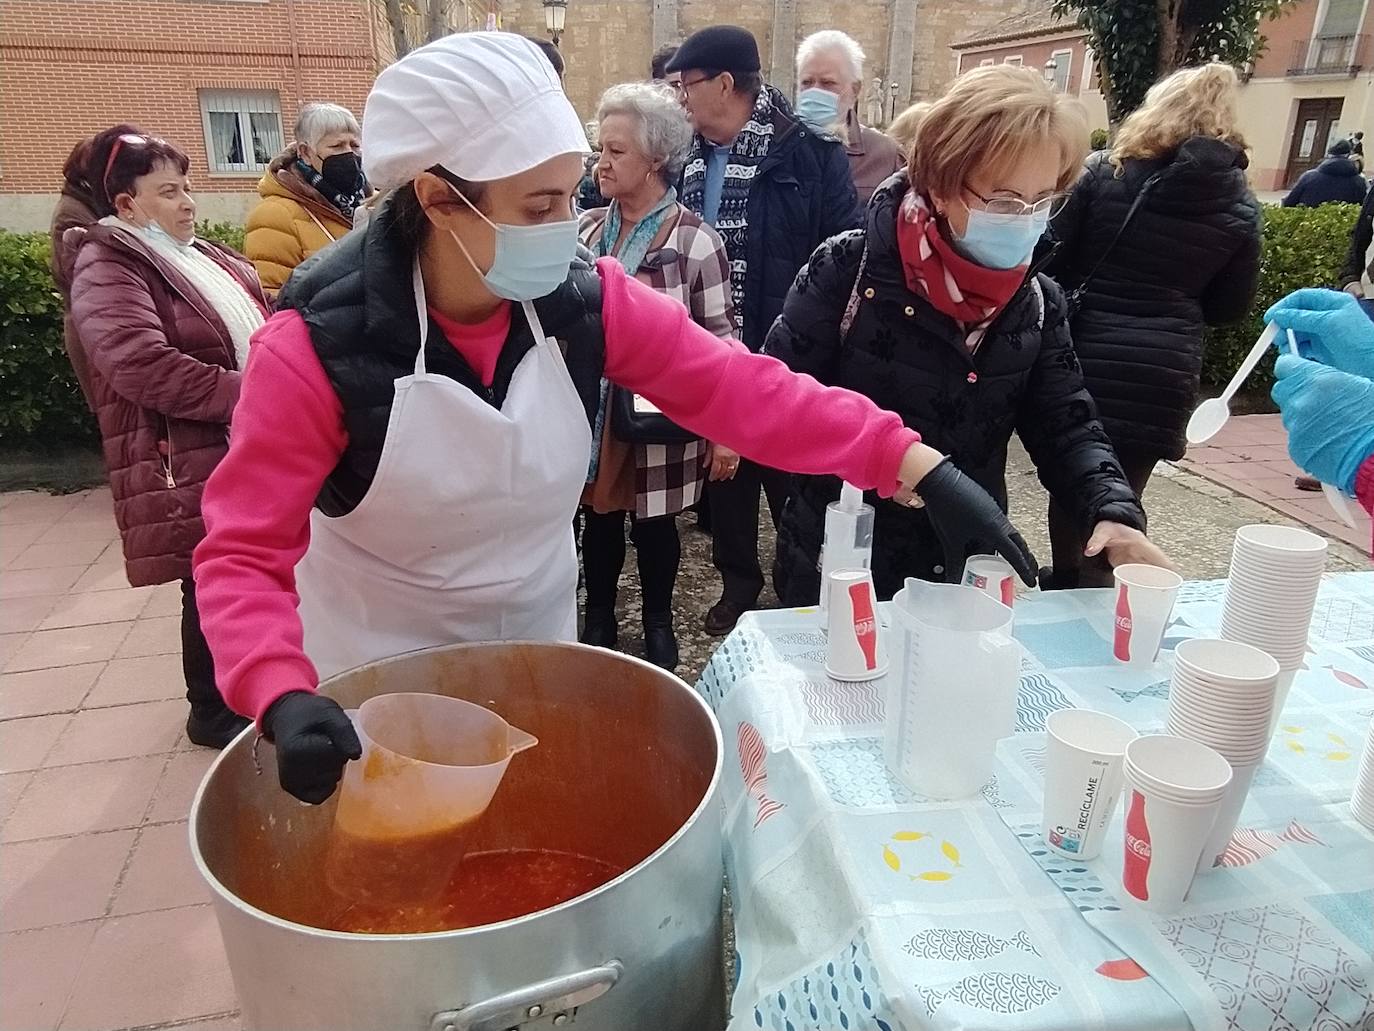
x=214 y=727
x=599 y=627
x=660 y=644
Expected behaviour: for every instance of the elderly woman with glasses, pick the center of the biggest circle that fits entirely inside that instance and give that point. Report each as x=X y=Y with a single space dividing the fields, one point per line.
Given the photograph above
x=934 y=311
x=644 y=137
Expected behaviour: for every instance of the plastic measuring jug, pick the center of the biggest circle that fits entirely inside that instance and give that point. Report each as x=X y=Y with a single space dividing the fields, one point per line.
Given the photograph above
x=429 y=768
x=954 y=696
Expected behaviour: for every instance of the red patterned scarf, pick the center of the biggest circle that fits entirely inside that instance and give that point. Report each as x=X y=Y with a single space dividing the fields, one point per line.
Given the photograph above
x=960 y=288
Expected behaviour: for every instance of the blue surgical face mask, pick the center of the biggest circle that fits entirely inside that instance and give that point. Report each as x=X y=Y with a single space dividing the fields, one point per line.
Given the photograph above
x=818 y=108
x=1001 y=241
x=530 y=261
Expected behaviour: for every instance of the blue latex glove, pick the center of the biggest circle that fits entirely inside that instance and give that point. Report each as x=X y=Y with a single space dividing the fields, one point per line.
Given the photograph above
x=1329 y=416
x=1331 y=328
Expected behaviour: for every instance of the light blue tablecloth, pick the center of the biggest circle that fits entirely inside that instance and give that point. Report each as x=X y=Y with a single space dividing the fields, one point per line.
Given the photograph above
x=860 y=905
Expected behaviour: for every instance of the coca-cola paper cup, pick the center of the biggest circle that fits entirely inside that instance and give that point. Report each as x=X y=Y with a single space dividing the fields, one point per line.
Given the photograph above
x=1362 y=799
x=992 y=575
x=855 y=649
x=1084 y=751
x=1144 y=602
x=1174 y=792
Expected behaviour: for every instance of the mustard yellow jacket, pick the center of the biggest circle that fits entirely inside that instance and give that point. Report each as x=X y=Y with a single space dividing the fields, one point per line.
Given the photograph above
x=290 y=223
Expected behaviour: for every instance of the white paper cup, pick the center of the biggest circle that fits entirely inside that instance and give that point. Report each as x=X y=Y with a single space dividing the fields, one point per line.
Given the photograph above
x=1362 y=799
x=1287 y=542
x=1164 y=839
x=1084 y=751
x=1144 y=602
x=1228 y=814
x=1178 y=767
x=1227 y=663
x=992 y=575
x=1282 y=686
x=855 y=649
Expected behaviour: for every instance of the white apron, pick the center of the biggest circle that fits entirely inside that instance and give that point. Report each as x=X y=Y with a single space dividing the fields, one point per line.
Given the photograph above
x=466 y=532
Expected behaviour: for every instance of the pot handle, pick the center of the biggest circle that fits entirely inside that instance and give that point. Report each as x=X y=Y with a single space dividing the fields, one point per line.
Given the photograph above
x=557 y=997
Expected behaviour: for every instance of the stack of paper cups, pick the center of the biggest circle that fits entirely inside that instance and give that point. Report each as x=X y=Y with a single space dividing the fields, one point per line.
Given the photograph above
x=1222 y=695
x=1174 y=790
x=855 y=649
x=1276 y=572
x=1362 y=801
x=1145 y=597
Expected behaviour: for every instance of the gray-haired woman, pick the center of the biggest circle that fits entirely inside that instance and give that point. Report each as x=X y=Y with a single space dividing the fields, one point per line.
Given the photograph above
x=644 y=139
x=309 y=194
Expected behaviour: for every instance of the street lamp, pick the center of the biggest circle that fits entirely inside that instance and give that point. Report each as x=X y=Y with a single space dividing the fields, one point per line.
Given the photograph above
x=1051 y=69
x=892 y=115
x=555 y=14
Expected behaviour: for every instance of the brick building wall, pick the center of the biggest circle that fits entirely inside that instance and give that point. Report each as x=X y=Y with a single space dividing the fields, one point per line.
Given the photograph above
x=69 y=68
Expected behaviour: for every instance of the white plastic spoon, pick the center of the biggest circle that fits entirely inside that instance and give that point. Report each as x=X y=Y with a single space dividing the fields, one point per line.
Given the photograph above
x=1212 y=414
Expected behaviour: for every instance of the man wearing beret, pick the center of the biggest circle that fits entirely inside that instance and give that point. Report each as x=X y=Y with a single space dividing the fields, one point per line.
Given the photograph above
x=774 y=190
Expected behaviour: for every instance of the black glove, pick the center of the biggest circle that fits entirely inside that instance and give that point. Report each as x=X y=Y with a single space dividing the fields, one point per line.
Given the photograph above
x=969 y=522
x=314 y=738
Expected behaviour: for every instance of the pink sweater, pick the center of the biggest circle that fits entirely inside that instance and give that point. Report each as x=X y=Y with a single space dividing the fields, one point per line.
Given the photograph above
x=1364 y=488
x=288 y=434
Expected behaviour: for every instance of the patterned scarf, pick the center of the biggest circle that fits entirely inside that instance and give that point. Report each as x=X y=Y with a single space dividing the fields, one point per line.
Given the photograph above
x=962 y=289
x=746 y=154
x=347 y=203
x=631 y=256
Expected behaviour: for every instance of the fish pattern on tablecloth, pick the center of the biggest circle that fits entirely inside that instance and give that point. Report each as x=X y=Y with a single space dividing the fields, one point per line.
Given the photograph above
x=1273 y=969
x=842 y=994
x=1158 y=690
x=1084 y=890
x=856 y=774
x=992 y=794
x=997 y=991
x=1037 y=698
x=753 y=764
x=1249 y=845
x=1364 y=651
x=830 y=703
x=955 y=943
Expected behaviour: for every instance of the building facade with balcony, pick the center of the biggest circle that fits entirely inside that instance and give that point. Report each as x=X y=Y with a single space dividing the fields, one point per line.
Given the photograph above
x=1313 y=84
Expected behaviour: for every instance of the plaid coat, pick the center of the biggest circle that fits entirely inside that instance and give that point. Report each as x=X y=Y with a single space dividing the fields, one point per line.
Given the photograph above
x=690 y=265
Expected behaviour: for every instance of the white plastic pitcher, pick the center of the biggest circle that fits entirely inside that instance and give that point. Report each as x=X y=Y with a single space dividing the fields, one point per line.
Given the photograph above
x=429 y=768
x=952 y=695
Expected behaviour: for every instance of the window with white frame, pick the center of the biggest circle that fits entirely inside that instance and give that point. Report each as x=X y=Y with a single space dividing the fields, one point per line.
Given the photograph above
x=1063 y=63
x=1090 y=79
x=243 y=130
x=1012 y=60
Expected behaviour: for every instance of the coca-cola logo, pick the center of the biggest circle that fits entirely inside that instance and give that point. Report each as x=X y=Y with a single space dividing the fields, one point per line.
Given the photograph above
x=1138 y=846
x=863 y=626
x=1123 y=623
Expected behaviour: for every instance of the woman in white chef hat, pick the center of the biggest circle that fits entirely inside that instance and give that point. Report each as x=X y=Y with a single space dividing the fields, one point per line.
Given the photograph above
x=411 y=441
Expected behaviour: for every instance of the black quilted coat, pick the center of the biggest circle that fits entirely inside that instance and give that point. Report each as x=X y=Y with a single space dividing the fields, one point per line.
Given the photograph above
x=911 y=359
x=1189 y=259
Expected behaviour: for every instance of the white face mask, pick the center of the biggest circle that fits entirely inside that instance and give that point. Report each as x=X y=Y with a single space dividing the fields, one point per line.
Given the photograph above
x=530 y=262
x=152 y=228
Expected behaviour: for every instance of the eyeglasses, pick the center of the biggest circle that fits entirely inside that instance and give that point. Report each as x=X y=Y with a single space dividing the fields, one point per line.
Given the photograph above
x=129 y=138
x=682 y=85
x=1050 y=205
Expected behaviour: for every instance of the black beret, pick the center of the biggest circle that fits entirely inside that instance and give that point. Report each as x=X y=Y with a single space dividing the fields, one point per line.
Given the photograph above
x=1339 y=149
x=725 y=48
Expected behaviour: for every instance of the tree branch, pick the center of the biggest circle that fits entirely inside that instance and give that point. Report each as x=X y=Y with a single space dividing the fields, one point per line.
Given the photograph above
x=395 y=17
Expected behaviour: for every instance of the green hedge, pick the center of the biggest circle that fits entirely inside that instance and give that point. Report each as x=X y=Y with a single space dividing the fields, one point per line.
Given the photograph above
x=40 y=402
x=1302 y=247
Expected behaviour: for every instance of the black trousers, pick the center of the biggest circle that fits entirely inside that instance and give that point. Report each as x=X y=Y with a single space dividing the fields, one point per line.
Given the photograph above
x=657 y=547
x=1071 y=567
x=197 y=664
x=735 y=528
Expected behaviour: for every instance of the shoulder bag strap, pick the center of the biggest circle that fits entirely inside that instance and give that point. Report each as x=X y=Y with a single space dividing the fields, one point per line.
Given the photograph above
x=851 y=307
x=1130 y=214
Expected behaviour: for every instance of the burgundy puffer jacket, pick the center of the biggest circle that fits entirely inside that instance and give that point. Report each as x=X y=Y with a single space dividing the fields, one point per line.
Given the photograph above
x=164 y=381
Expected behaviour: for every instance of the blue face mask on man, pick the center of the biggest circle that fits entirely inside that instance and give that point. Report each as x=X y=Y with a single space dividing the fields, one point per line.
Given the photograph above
x=818 y=108
x=1001 y=241
x=530 y=262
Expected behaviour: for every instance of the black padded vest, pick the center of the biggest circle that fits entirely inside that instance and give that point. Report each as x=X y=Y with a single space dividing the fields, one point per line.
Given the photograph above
x=358 y=301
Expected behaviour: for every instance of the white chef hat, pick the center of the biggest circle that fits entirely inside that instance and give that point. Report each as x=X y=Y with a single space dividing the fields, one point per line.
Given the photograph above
x=484 y=105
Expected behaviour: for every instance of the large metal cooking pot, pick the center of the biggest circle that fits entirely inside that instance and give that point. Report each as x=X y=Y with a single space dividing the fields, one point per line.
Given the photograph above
x=627 y=770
